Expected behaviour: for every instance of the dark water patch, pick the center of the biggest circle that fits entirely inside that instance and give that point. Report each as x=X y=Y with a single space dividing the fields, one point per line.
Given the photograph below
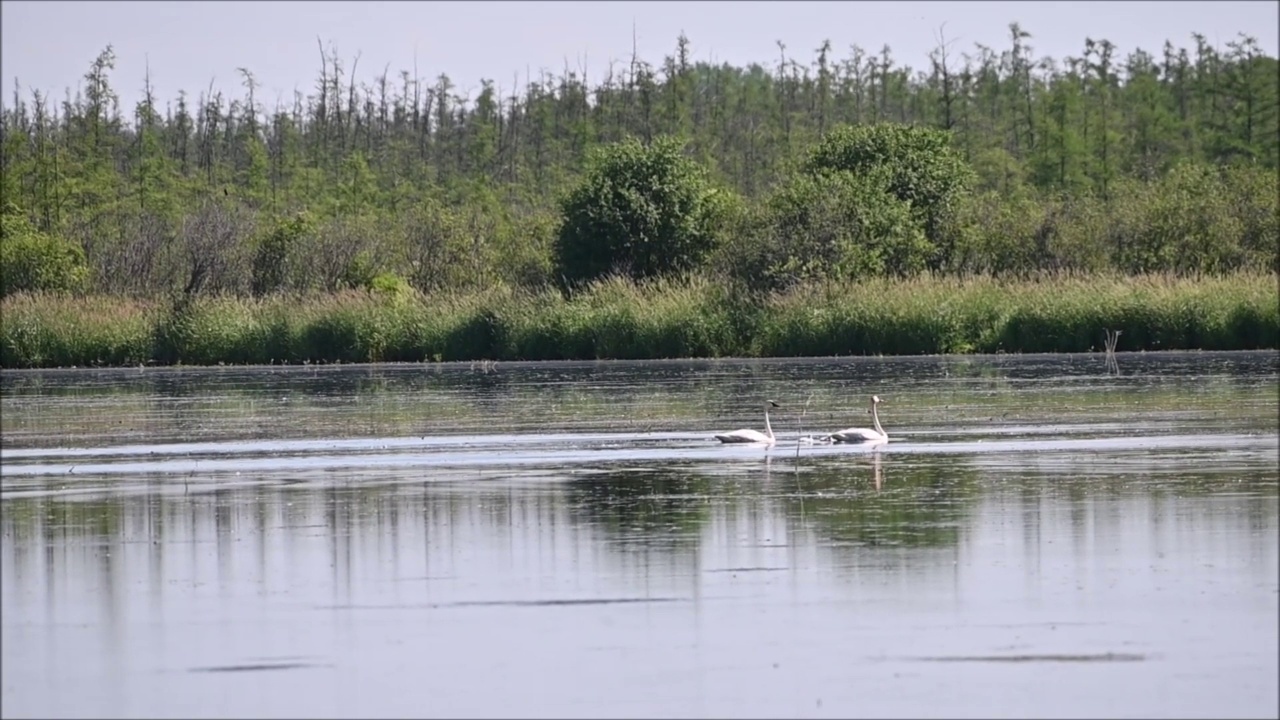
x=562 y=603
x=567 y=602
x=256 y=667
x=1096 y=657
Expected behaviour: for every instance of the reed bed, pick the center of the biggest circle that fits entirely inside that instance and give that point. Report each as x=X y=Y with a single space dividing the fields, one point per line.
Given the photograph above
x=983 y=315
x=618 y=319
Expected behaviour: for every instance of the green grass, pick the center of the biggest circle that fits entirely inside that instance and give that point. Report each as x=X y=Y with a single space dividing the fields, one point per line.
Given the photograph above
x=982 y=315
x=59 y=331
x=618 y=319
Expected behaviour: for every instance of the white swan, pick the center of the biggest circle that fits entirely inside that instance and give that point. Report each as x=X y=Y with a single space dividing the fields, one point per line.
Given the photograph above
x=863 y=435
x=747 y=435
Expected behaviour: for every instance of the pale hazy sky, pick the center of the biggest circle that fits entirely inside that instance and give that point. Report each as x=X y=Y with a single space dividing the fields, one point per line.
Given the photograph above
x=49 y=45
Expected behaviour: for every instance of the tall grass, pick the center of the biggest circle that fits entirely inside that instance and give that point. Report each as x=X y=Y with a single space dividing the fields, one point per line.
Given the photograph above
x=57 y=331
x=619 y=319
x=1062 y=314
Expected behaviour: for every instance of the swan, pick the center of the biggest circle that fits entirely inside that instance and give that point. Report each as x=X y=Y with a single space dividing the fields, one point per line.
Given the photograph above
x=747 y=435
x=863 y=435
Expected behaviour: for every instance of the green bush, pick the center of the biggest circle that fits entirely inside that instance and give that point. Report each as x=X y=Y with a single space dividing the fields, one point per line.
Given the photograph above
x=32 y=261
x=836 y=226
x=920 y=166
x=1197 y=219
x=527 y=250
x=642 y=211
x=1253 y=196
x=390 y=285
x=275 y=251
x=1003 y=241
x=438 y=248
x=1173 y=224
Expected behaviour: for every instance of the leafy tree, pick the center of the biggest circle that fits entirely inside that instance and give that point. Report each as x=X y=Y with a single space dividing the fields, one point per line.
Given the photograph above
x=641 y=210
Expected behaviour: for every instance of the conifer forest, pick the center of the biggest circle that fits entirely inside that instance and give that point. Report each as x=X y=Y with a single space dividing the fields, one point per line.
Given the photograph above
x=818 y=165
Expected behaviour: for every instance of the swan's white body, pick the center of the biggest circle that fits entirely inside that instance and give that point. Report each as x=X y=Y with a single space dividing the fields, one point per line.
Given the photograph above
x=747 y=435
x=863 y=435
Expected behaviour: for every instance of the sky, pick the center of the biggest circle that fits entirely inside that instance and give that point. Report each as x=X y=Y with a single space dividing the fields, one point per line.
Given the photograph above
x=49 y=45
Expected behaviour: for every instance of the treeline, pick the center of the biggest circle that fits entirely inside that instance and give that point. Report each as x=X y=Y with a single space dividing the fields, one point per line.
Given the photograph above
x=406 y=176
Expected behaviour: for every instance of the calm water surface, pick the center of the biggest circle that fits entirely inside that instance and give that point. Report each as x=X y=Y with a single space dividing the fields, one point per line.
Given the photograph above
x=1043 y=536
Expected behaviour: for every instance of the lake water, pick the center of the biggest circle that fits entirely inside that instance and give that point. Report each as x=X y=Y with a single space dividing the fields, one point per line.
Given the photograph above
x=1043 y=536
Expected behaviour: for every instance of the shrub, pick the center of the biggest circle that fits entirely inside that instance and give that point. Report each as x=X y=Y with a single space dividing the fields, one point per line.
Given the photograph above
x=272 y=257
x=34 y=261
x=642 y=211
x=436 y=238
x=836 y=226
x=920 y=167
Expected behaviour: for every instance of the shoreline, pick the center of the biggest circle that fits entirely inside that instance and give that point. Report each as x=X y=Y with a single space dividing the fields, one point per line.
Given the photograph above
x=493 y=365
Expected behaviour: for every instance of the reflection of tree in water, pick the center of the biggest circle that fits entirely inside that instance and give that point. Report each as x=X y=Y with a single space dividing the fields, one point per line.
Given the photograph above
x=873 y=500
x=883 y=500
x=650 y=508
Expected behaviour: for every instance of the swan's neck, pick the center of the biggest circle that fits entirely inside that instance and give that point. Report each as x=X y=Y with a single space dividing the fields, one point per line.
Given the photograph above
x=768 y=429
x=875 y=419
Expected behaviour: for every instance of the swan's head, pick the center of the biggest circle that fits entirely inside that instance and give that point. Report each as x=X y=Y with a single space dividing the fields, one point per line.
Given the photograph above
x=875 y=400
x=770 y=403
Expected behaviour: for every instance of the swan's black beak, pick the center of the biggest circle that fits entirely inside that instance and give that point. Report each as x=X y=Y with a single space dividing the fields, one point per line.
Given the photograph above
x=775 y=404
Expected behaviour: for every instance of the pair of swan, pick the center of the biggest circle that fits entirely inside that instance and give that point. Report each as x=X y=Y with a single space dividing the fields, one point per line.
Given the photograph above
x=848 y=435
